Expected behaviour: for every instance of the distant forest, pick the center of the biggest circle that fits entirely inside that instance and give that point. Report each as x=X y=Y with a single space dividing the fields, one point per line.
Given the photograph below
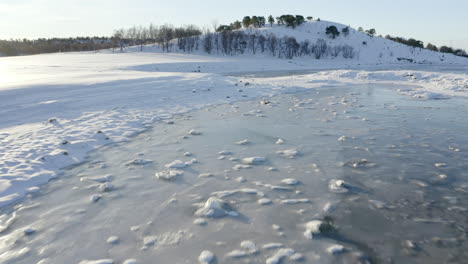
x=223 y=39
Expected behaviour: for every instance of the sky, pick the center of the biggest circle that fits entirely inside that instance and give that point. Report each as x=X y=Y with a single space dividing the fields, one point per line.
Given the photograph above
x=438 y=22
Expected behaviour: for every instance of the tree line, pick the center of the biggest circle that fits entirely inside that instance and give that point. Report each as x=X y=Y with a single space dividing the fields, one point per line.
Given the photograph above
x=16 y=47
x=122 y=38
x=233 y=43
x=260 y=21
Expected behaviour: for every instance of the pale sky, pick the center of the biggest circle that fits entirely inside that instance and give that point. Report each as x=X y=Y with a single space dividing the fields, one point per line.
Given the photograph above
x=439 y=22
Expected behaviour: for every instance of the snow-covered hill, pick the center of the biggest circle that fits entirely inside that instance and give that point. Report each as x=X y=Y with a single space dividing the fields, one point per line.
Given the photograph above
x=312 y=43
x=368 y=49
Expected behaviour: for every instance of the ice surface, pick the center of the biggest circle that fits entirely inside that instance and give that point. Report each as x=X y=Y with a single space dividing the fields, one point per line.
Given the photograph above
x=393 y=194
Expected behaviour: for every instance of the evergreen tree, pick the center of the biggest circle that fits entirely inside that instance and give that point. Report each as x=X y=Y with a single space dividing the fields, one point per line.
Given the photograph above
x=360 y=29
x=429 y=46
x=332 y=31
x=223 y=28
x=261 y=21
x=254 y=21
x=289 y=20
x=271 y=20
x=279 y=20
x=371 y=32
x=247 y=21
x=236 y=25
x=299 y=19
x=309 y=18
x=446 y=49
x=345 y=31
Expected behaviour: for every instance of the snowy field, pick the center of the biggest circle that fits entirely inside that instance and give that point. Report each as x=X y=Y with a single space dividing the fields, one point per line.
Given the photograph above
x=55 y=109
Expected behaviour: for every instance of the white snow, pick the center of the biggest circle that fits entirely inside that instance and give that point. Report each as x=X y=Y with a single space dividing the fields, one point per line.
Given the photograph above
x=280 y=141
x=337 y=186
x=215 y=208
x=336 y=249
x=168 y=175
x=113 y=240
x=264 y=201
x=176 y=164
x=290 y=181
x=289 y=153
x=280 y=255
x=55 y=108
x=253 y=160
x=206 y=257
x=312 y=228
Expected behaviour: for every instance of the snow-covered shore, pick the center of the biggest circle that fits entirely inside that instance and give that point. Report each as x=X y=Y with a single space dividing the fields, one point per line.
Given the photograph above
x=56 y=108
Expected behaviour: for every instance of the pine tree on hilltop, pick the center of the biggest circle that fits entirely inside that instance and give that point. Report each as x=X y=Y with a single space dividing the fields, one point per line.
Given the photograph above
x=289 y=20
x=236 y=25
x=299 y=19
x=271 y=20
x=247 y=21
x=345 y=31
x=371 y=32
x=432 y=47
x=332 y=31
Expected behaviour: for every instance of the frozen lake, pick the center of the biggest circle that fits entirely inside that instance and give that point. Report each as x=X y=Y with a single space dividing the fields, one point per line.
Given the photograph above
x=356 y=174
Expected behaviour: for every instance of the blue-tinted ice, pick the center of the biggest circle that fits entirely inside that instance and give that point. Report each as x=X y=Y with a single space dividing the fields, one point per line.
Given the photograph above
x=334 y=175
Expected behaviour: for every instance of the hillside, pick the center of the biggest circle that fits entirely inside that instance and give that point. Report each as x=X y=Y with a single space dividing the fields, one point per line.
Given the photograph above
x=309 y=41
